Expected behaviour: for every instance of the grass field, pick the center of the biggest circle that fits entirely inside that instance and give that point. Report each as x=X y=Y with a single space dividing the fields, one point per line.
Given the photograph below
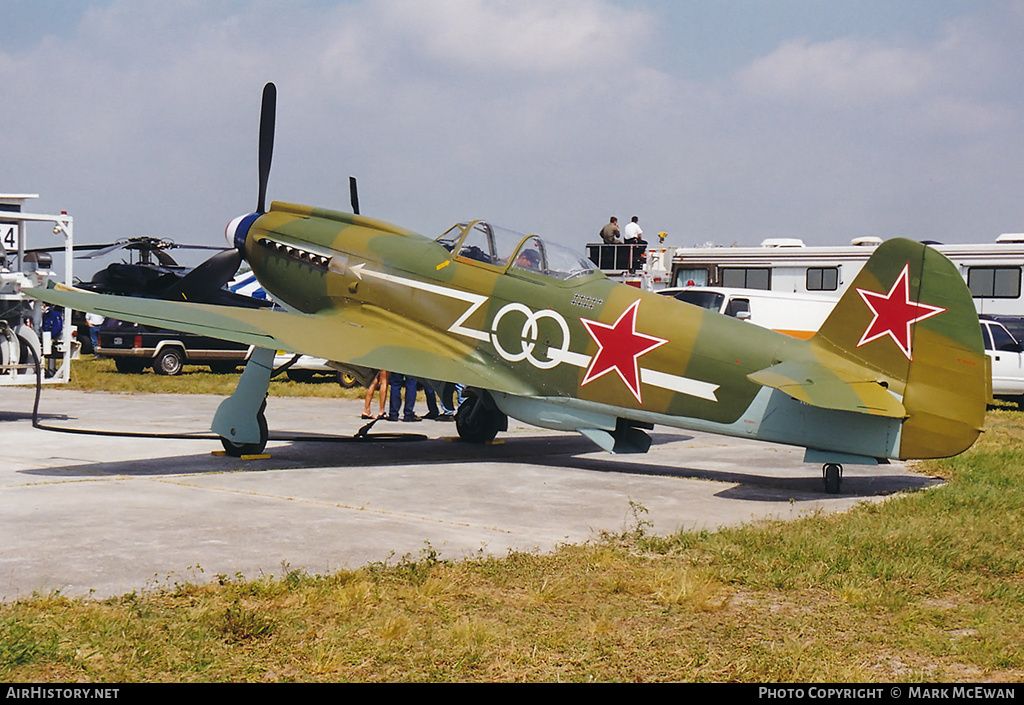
x=98 y=374
x=925 y=587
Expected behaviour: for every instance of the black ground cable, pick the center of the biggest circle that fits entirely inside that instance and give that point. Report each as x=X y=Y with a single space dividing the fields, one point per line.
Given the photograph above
x=362 y=435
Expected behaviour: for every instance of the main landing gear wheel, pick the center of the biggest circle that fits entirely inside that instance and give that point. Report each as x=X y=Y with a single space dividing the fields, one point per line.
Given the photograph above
x=833 y=476
x=237 y=450
x=478 y=422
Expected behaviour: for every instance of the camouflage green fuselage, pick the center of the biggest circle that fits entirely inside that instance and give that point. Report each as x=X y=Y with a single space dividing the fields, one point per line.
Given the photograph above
x=896 y=371
x=528 y=327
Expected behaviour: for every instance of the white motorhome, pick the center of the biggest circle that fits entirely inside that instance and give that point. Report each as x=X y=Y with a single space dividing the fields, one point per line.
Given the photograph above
x=798 y=315
x=993 y=271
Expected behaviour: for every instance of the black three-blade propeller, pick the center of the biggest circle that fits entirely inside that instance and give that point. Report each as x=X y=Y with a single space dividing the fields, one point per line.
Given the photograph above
x=268 y=117
x=203 y=282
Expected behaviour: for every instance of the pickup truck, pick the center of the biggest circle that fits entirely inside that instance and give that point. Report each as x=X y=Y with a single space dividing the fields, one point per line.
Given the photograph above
x=1007 y=357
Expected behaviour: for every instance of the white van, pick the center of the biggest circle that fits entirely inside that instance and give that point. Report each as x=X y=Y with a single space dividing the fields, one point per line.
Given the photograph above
x=798 y=315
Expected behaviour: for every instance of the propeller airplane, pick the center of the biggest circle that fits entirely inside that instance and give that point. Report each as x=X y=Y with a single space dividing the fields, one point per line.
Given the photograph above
x=536 y=333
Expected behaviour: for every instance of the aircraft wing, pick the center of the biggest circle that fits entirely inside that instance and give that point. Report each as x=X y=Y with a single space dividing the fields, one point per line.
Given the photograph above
x=830 y=388
x=367 y=336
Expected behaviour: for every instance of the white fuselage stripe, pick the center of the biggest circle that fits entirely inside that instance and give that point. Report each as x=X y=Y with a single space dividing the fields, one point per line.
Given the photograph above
x=683 y=385
x=664 y=380
x=476 y=300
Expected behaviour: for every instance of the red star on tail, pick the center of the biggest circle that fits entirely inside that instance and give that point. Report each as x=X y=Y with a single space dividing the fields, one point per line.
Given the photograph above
x=618 y=347
x=895 y=313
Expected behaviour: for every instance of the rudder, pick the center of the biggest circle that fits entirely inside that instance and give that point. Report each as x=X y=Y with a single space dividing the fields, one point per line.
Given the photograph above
x=910 y=317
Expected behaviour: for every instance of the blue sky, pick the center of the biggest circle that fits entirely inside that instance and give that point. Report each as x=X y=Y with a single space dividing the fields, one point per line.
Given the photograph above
x=727 y=121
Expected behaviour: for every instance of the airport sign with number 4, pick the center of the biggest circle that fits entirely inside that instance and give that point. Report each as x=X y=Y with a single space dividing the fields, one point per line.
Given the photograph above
x=9 y=236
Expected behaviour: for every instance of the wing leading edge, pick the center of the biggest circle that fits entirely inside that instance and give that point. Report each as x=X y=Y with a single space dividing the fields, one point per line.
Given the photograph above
x=360 y=335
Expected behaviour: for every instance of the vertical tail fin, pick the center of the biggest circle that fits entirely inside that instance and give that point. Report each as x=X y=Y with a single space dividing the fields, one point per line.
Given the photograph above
x=909 y=316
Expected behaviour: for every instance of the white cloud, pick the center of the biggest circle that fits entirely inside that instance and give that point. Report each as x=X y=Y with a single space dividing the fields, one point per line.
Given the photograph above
x=944 y=86
x=840 y=73
x=532 y=36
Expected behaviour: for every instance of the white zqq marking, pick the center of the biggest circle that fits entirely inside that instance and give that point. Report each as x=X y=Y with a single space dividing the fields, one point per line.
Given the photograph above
x=528 y=337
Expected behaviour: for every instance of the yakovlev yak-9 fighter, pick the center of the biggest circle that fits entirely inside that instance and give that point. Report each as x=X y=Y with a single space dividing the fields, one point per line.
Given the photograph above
x=536 y=333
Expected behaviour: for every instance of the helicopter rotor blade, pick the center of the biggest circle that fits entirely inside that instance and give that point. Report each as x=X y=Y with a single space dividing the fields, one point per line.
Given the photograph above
x=101 y=250
x=139 y=244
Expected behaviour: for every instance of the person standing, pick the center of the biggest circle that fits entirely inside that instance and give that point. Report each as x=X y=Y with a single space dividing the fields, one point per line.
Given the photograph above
x=398 y=382
x=433 y=402
x=634 y=236
x=380 y=381
x=94 y=321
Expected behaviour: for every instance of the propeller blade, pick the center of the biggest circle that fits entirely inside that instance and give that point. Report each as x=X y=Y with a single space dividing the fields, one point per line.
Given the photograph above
x=202 y=283
x=354 y=193
x=267 y=119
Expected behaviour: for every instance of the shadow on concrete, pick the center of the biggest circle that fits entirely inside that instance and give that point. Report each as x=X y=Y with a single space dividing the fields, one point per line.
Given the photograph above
x=304 y=450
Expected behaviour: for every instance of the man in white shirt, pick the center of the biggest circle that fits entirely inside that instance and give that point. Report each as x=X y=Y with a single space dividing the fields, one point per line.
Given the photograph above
x=633 y=233
x=94 y=320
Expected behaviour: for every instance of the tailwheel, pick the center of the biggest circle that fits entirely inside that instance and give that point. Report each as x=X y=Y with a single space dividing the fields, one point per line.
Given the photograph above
x=478 y=421
x=833 y=476
x=237 y=450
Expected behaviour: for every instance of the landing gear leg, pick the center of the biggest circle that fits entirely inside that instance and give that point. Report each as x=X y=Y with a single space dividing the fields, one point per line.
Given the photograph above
x=240 y=420
x=833 y=476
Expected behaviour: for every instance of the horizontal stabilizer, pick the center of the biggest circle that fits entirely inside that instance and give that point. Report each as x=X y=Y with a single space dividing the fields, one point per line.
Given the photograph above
x=820 y=385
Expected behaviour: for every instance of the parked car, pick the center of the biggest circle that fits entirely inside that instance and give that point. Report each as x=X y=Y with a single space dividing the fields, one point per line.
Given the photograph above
x=134 y=347
x=308 y=369
x=1014 y=324
x=1007 y=356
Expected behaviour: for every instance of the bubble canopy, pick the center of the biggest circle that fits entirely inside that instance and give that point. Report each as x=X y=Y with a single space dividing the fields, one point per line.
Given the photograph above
x=509 y=250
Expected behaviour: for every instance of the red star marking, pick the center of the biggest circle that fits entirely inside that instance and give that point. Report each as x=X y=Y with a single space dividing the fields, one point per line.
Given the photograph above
x=895 y=313
x=618 y=347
